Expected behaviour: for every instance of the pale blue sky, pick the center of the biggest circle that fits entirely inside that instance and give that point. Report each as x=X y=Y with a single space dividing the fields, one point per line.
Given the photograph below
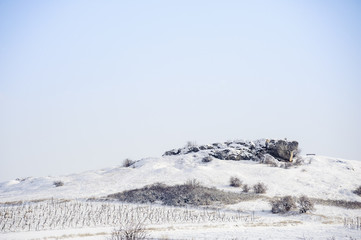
x=86 y=84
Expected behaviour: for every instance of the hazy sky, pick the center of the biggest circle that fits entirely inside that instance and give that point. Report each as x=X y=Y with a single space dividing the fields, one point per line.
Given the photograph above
x=86 y=84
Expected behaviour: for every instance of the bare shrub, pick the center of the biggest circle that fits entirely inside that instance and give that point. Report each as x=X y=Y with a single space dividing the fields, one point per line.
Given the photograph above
x=245 y=188
x=297 y=152
x=358 y=191
x=22 y=179
x=339 y=203
x=352 y=223
x=58 y=183
x=181 y=195
x=193 y=183
x=298 y=161
x=287 y=165
x=283 y=205
x=305 y=204
x=130 y=230
x=128 y=162
x=191 y=144
x=235 y=182
x=260 y=188
x=207 y=159
x=47 y=215
x=273 y=164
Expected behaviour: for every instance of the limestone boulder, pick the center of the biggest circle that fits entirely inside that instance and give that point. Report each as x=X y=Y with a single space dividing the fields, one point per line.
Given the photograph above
x=282 y=149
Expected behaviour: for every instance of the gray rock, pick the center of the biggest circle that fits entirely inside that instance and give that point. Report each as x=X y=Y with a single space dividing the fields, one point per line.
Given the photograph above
x=227 y=154
x=206 y=147
x=193 y=149
x=172 y=152
x=282 y=149
x=220 y=154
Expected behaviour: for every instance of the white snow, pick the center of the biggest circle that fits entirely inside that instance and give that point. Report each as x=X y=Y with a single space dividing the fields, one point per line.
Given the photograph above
x=320 y=177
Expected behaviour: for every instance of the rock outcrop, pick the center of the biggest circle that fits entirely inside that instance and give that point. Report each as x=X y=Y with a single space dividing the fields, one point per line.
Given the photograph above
x=282 y=150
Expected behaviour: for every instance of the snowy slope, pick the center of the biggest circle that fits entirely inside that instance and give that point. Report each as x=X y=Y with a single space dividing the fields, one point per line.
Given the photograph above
x=320 y=177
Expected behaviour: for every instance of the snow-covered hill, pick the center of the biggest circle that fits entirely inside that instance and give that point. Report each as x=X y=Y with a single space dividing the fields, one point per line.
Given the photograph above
x=319 y=177
x=65 y=211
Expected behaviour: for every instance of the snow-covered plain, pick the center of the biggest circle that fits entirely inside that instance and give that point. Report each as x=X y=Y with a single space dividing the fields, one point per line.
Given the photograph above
x=319 y=177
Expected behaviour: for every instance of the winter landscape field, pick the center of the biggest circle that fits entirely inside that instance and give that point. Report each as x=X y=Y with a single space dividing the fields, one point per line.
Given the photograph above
x=180 y=120
x=195 y=192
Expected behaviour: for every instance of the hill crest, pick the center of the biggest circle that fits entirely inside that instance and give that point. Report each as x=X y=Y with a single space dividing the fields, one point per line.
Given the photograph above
x=318 y=176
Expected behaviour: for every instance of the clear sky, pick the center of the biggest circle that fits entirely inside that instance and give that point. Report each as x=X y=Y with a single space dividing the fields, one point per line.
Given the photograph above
x=86 y=84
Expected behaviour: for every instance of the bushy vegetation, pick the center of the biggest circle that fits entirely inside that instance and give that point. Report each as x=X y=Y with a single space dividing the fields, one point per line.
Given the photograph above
x=235 y=182
x=58 y=183
x=245 y=188
x=287 y=203
x=305 y=204
x=298 y=161
x=283 y=205
x=339 y=203
x=191 y=144
x=358 y=191
x=193 y=183
x=191 y=193
x=128 y=162
x=43 y=215
x=260 y=188
x=287 y=165
x=131 y=229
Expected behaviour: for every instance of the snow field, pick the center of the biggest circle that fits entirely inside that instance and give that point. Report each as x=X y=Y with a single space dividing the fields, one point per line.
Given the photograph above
x=319 y=177
x=54 y=215
x=88 y=220
x=23 y=215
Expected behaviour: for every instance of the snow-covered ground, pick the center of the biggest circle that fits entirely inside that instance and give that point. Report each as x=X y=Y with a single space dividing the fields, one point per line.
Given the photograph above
x=319 y=177
x=96 y=220
x=219 y=231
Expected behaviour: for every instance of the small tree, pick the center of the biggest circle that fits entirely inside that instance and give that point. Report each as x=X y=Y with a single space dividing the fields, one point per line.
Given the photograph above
x=246 y=188
x=283 y=205
x=358 y=191
x=130 y=230
x=58 y=183
x=191 y=144
x=305 y=204
x=260 y=188
x=128 y=162
x=193 y=183
x=235 y=182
